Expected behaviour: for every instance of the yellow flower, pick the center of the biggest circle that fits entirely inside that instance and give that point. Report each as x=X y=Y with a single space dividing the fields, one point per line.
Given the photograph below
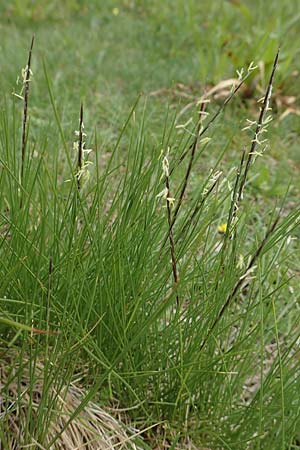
x=222 y=228
x=115 y=11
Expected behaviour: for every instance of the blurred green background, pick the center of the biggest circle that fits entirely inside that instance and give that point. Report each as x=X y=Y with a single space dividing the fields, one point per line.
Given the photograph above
x=105 y=53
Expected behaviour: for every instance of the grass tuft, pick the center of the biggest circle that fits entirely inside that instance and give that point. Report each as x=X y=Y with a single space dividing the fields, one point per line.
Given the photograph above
x=88 y=282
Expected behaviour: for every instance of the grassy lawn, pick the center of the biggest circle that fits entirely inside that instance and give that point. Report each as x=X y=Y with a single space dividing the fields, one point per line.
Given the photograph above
x=149 y=253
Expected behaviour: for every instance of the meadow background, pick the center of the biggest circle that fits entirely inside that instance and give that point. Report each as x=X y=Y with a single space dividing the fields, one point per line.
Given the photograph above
x=92 y=268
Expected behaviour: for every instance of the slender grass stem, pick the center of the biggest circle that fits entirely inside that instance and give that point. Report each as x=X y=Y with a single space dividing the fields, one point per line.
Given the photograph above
x=188 y=172
x=171 y=237
x=80 y=150
x=197 y=208
x=219 y=111
x=240 y=281
x=190 y=165
x=25 y=114
x=258 y=130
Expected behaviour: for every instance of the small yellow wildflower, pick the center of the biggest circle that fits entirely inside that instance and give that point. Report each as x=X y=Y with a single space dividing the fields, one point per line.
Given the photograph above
x=115 y=11
x=222 y=228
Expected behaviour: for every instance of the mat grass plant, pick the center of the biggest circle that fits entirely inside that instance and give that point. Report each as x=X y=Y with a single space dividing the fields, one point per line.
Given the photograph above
x=194 y=339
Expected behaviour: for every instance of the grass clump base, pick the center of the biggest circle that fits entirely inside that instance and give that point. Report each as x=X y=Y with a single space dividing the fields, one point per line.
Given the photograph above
x=26 y=389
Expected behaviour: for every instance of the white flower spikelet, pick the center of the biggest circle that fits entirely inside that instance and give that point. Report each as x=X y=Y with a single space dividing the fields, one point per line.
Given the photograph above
x=23 y=80
x=212 y=180
x=242 y=74
x=83 y=174
x=165 y=194
x=165 y=165
x=24 y=75
x=251 y=67
x=260 y=127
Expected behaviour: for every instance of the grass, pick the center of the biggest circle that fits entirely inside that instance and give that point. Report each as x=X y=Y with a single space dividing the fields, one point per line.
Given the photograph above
x=111 y=292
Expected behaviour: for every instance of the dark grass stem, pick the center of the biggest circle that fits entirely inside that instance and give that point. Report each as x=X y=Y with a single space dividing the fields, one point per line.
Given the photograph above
x=199 y=133
x=197 y=208
x=25 y=114
x=258 y=130
x=80 y=149
x=188 y=172
x=190 y=165
x=240 y=281
x=171 y=237
x=212 y=120
x=232 y=215
x=241 y=176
